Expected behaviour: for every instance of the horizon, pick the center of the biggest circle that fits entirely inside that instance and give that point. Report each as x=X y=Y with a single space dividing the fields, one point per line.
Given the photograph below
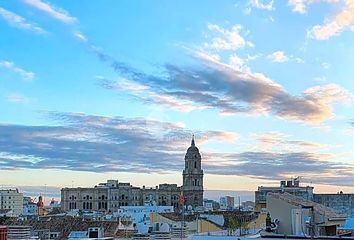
x=116 y=90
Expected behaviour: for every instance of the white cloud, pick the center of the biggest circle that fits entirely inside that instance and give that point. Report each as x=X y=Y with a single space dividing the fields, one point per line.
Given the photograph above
x=26 y=75
x=278 y=57
x=299 y=60
x=19 y=22
x=262 y=4
x=17 y=98
x=54 y=12
x=342 y=20
x=299 y=6
x=329 y=93
x=326 y=65
x=226 y=39
x=80 y=36
x=238 y=63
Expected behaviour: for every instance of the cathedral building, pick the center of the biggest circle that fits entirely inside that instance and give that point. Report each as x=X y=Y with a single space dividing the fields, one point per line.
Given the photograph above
x=111 y=195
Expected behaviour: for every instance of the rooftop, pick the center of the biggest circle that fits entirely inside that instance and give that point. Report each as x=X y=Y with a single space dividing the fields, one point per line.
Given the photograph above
x=301 y=202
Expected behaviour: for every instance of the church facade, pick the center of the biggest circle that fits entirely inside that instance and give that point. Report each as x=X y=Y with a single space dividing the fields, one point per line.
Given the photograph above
x=111 y=195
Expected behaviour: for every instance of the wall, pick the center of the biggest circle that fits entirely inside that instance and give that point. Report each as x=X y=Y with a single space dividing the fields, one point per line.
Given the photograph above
x=12 y=199
x=341 y=203
x=283 y=212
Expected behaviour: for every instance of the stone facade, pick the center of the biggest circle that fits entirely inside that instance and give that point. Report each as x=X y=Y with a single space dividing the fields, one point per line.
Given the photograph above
x=193 y=177
x=342 y=203
x=292 y=187
x=111 y=195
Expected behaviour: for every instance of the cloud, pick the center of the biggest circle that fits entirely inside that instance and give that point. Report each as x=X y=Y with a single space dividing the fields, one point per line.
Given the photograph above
x=225 y=39
x=209 y=83
x=238 y=63
x=279 y=142
x=343 y=20
x=272 y=165
x=80 y=36
x=89 y=143
x=101 y=144
x=326 y=65
x=26 y=75
x=17 y=98
x=19 y=22
x=333 y=26
x=54 y=12
x=299 y=6
x=262 y=5
x=278 y=57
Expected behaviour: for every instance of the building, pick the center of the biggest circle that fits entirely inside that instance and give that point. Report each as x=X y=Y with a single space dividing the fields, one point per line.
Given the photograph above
x=29 y=207
x=140 y=215
x=208 y=205
x=227 y=203
x=40 y=206
x=248 y=206
x=11 y=199
x=193 y=177
x=3 y=232
x=291 y=186
x=110 y=196
x=342 y=203
x=297 y=216
x=19 y=232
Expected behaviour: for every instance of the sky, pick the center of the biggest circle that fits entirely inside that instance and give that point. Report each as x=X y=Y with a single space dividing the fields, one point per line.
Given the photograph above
x=116 y=89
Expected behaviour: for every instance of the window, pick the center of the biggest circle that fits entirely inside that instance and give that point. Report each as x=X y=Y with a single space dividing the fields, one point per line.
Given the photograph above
x=195 y=164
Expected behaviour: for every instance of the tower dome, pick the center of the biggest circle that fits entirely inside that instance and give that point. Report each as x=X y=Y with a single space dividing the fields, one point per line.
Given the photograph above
x=192 y=148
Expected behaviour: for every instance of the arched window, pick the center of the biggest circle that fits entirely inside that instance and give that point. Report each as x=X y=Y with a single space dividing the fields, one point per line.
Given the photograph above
x=195 y=164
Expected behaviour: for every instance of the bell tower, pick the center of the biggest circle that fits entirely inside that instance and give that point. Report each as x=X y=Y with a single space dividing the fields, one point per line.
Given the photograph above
x=193 y=177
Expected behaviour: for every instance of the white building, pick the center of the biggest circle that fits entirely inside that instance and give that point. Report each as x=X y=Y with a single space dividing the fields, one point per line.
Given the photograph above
x=29 y=207
x=11 y=199
x=208 y=205
x=227 y=203
x=140 y=215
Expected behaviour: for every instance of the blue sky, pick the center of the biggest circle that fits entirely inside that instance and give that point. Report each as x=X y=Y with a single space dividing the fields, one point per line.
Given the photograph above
x=115 y=89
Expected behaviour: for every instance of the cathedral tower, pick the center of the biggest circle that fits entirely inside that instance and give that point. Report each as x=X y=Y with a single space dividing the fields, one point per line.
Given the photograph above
x=193 y=177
